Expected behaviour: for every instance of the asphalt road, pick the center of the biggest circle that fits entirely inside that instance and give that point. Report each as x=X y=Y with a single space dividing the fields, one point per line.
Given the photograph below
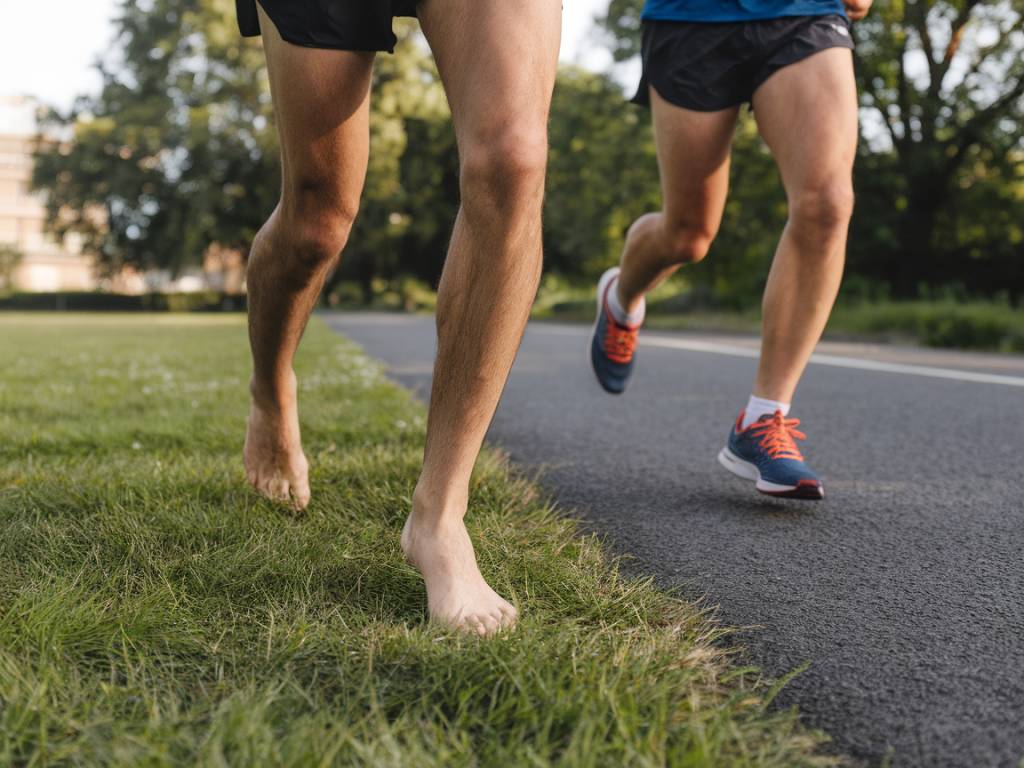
x=904 y=589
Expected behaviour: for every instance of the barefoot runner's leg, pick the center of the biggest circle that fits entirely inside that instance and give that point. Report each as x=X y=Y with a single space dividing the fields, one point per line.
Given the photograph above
x=321 y=108
x=498 y=62
x=498 y=65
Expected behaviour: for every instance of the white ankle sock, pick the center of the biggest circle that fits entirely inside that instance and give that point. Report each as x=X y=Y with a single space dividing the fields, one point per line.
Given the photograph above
x=619 y=312
x=759 y=406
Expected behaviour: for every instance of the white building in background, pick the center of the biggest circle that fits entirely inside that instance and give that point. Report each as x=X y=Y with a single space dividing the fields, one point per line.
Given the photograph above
x=48 y=265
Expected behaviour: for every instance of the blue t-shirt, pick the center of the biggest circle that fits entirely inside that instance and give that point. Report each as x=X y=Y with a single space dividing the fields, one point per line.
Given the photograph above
x=737 y=10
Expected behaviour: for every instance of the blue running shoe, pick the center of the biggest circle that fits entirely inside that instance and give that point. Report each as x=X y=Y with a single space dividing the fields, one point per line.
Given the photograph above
x=766 y=452
x=613 y=346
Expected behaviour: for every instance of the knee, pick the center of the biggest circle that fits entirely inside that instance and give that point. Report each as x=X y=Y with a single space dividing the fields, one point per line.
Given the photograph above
x=824 y=209
x=504 y=171
x=686 y=242
x=316 y=219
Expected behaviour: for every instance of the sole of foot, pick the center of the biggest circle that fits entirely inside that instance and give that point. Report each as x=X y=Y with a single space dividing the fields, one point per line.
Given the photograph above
x=274 y=462
x=458 y=597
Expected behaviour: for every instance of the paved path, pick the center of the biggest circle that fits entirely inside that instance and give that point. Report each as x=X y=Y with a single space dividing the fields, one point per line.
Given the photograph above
x=904 y=589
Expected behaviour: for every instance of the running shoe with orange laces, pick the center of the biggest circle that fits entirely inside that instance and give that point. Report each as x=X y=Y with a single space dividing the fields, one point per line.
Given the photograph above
x=613 y=346
x=766 y=452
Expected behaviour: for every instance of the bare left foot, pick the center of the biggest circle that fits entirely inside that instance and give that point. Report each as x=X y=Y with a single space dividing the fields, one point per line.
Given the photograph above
x=457 y=594
x=274 y=462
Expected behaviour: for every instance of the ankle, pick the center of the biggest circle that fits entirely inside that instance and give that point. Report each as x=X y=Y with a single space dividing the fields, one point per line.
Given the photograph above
x=629 y=311
x=634 y=305
x=758 y=406
x=433 y=508
x=271 y=394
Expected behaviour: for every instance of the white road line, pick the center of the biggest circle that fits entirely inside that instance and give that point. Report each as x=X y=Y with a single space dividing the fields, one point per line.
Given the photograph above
x=836 y=361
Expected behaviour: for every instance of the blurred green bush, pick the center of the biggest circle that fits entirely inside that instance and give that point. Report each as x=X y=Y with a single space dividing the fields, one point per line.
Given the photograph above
x=93 y=301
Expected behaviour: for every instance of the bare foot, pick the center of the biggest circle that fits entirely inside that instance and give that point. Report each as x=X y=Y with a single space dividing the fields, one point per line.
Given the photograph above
x=457 y=594
x=274 y=462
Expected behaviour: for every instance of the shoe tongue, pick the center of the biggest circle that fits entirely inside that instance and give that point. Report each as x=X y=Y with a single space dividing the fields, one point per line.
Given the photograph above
x=619 y=324
x=771 y=418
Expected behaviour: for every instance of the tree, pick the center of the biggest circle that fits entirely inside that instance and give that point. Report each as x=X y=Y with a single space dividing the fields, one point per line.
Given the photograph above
x=10 y=258
x=621 y=22
x=176 y=152
x=602 y=173
x=944 y=80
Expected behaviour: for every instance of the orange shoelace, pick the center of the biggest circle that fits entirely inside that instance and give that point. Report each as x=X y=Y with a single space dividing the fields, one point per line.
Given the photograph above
x=619 y=341
x=776 y=436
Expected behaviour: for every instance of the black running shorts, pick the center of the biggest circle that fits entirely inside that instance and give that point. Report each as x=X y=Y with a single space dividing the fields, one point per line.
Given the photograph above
x=709 y=66
x=345 y=25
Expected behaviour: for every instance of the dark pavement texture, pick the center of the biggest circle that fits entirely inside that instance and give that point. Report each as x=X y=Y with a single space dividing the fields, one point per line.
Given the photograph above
x=903 y=589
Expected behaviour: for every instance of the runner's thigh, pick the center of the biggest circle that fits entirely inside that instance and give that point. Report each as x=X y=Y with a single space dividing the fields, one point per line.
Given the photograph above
x=807 y=114
x=321 y=106
x=693 y=161
x=498 y=61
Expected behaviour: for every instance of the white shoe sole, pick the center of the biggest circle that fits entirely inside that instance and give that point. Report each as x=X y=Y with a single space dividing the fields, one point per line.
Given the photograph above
x=749 y=471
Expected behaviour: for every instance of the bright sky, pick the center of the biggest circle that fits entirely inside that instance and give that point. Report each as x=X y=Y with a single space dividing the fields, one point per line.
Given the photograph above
x=57 y=66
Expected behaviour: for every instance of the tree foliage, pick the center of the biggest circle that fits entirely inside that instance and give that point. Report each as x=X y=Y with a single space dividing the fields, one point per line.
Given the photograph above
x=621 y=22
x=602 y=173
x=178 y=152
x=944 y=81
x=10 y=258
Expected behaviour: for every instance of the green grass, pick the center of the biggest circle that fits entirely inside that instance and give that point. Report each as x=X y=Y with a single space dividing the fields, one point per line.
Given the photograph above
x=993 y=326
x=155 y=612
x=945 y=323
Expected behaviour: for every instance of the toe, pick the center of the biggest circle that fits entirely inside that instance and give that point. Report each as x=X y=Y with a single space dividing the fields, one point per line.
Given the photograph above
x=474 y=625
x=492 y=623
x=262 y=485
x=508 y=611
x=301 y=495
x=277 y=489
x=497 y=617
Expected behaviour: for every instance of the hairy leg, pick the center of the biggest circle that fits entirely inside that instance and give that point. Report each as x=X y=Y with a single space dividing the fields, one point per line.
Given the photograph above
x=693 y=160
x=321 y=108
x=498 y=64
x=807 y=114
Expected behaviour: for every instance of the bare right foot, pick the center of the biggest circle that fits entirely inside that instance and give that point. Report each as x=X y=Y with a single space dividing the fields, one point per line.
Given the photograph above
x=274 y=462
x=457 y=594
